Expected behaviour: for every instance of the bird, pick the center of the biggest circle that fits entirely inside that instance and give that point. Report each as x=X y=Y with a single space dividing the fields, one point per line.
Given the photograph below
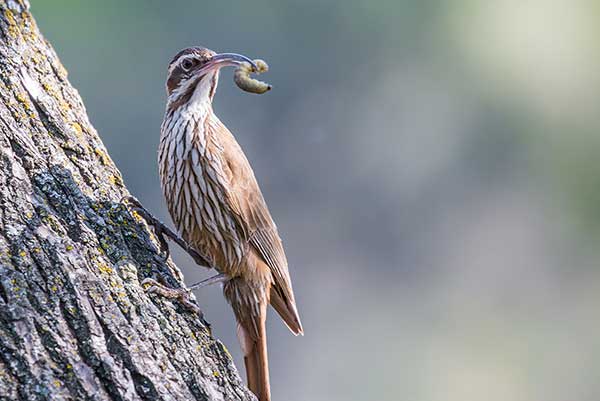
x=218 y=208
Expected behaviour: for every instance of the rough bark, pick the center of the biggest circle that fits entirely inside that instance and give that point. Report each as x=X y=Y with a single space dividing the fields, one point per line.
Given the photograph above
x=74 y=321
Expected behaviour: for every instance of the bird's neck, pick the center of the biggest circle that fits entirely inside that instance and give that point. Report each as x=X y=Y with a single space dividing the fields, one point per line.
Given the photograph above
x=200 y=101
x=192 y=97
x=189 y=110
x=195 y=95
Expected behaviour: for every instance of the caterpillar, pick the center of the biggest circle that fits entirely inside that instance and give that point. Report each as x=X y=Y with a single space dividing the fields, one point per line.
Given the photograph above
x=242 y=78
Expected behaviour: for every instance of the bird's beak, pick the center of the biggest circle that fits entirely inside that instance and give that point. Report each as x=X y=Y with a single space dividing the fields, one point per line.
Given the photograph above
x=221 y=60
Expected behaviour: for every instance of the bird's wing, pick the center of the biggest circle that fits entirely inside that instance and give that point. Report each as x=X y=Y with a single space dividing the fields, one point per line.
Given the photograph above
x=247 y=203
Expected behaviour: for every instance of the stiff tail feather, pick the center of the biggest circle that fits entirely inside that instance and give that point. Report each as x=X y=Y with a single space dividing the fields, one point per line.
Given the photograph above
x=255 y=357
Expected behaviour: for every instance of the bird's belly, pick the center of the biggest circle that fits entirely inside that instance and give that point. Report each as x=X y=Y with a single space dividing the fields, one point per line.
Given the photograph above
x=221 y=252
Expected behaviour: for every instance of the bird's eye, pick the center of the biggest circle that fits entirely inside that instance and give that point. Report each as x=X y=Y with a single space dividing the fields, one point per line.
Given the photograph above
x=187 y=64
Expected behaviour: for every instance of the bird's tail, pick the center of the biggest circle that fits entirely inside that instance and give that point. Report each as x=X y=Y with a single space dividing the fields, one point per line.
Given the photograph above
x=249 y=303
x=255 y=356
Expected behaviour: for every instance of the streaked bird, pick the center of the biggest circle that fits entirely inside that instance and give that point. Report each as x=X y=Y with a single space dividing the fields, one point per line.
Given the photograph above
x=218 y=208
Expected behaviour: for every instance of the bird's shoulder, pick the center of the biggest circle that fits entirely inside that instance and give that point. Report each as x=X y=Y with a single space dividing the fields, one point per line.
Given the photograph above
x=243 y=188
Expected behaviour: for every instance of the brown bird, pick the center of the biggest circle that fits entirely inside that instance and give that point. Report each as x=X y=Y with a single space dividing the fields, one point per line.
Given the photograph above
x=218 y=208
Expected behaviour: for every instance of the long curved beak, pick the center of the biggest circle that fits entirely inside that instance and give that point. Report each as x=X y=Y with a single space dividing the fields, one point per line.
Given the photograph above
x=221 y=60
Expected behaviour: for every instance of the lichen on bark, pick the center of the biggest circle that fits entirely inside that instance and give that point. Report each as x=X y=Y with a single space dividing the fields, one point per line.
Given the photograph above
x=75 y=324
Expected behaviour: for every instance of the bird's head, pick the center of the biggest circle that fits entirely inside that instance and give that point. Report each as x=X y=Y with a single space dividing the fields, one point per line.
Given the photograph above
x=194 y=73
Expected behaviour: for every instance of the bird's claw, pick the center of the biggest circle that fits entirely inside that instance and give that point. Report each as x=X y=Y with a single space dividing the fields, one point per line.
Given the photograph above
x=183 y=295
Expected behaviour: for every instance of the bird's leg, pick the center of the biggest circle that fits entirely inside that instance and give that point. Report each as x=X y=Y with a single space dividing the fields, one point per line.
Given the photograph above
x=219 y=278
x=181 y=294
x=161 y=230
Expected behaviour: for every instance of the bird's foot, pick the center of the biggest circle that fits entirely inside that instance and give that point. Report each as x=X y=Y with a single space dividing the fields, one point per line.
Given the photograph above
x=183 y=295
x=161 y=231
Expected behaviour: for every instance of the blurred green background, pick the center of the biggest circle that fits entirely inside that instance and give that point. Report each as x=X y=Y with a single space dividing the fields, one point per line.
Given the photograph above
x=433 y=167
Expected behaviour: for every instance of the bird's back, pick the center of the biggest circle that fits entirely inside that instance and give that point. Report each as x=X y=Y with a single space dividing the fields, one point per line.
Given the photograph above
x=247 y=203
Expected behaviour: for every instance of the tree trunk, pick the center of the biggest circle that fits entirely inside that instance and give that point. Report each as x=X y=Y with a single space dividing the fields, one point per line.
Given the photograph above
x=75 y=324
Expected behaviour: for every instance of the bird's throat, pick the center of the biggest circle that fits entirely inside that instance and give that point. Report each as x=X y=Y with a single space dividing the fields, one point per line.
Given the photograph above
x=193 y=96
